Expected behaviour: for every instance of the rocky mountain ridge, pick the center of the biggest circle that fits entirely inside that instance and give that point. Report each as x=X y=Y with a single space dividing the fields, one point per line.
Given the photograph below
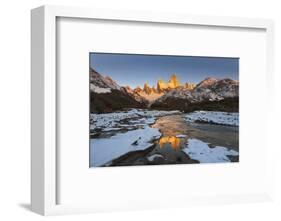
x=166 y=95
x=107 y=96
x=163 y=87
x=209 y=94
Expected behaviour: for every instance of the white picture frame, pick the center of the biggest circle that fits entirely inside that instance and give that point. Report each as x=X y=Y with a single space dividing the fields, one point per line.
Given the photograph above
x=44 y=102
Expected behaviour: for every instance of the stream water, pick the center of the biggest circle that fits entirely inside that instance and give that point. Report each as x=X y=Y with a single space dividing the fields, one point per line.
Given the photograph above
x=176 y=135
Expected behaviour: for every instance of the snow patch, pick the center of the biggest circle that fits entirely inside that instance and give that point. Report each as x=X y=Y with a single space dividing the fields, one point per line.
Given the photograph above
x=133 y=117
x=104 y=150
x=99 y=90
x=199 y=150
x=180 y=136
x=224 y=118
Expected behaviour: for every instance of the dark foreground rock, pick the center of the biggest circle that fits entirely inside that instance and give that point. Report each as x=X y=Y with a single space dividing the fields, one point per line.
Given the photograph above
x=140 y=157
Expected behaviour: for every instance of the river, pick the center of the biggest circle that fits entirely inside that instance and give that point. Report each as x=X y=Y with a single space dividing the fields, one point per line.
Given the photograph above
x=176 y=134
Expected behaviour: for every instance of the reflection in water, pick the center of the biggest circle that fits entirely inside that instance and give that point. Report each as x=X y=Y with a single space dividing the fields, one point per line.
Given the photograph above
x=171 y=128
x=172 y=141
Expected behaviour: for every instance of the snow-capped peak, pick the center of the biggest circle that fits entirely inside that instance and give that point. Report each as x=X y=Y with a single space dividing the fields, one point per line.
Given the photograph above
x=206 y=82
x=100 y=84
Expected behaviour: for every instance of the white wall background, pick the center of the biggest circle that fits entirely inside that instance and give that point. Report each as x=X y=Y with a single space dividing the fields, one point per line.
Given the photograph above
x=15 y=107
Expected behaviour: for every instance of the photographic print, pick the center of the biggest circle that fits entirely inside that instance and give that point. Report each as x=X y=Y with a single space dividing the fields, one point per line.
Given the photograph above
x=163 y=109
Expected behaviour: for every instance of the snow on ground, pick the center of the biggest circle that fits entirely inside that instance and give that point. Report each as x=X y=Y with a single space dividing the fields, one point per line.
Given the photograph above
x=214 y=117
x=99 y=90
x=104 y=150
x=152 y=157
x=181 y=136
x=135 y=117
x=199 y=150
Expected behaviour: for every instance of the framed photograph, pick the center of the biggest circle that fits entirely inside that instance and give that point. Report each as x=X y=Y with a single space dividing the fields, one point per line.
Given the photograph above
x=136 y=110
x=193 y=117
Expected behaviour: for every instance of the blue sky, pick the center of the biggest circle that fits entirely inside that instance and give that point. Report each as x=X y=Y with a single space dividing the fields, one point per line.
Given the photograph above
x=134 y=70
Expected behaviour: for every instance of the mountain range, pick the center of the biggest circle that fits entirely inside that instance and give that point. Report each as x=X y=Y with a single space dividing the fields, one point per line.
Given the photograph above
x=210 y=94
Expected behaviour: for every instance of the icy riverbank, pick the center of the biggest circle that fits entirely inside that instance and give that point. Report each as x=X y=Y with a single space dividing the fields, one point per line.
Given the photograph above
x=199 y=150
x=145 y=137
x=126 y=119
x=105 y=150
x=223 y=118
